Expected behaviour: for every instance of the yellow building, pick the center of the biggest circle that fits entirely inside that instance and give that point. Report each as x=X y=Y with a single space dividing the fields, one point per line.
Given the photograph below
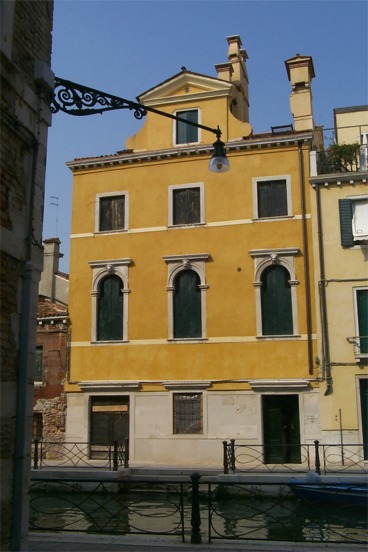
x=340 y=221
x=191 y=293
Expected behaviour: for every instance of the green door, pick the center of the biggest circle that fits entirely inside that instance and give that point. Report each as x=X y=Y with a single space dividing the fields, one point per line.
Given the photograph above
x=281 y=430
x=363 y=384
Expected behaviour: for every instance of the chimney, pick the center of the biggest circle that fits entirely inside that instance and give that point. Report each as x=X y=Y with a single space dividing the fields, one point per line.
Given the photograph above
x=300 y=71
x=235 y=71
x=51 y=256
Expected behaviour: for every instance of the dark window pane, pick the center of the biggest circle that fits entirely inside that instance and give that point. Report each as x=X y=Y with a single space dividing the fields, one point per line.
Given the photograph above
x=276 y=302
x=187 y=413
x=112 y=213
x=37 y=425
x=110 y=309
x=39 y=363
x=187 y=305
x=272 y=198
x=186 y=206
x=187 y=133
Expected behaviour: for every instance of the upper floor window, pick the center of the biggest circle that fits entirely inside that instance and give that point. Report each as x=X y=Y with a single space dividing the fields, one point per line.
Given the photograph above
x=275 y=287
x=38 y=376
x=186 y=204
x=111 y=212
x=276 y=301
x=271 y=197
x=186 y=133
x=110 y=309
x=187 y=296
x=110 y=299
x=361 y=321
x=187 y=305
x=353 y=220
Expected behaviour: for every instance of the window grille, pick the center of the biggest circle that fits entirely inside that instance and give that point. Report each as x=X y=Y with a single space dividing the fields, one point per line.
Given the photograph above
x=188 y=413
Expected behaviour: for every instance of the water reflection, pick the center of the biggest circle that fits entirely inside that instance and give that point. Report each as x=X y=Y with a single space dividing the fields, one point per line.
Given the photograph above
x=169 y=512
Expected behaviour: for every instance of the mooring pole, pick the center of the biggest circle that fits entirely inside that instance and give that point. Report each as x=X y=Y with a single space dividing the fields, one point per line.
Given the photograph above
x=196 y=514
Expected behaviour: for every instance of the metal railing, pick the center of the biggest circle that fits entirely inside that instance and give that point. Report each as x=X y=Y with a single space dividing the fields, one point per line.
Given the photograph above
x=335 y=458
x=196 y=508
x=80 y=455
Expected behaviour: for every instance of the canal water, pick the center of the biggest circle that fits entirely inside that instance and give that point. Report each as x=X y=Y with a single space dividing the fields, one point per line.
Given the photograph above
x=264 y=518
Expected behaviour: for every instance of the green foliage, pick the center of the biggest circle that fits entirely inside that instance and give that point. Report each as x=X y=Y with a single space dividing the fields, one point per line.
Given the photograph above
x=340 y=158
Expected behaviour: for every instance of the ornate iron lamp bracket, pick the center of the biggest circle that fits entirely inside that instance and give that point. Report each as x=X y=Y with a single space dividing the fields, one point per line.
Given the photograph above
x=76 y=99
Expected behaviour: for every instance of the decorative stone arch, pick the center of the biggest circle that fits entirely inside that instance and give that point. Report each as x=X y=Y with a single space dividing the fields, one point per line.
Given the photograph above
x=101 y=269
x=180 y=263
x=264 y=258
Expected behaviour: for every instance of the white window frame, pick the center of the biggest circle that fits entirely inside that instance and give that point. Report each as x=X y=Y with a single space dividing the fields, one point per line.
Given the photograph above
x=100 y=269
x=174 y=187
x=358 y=236
x=126 y=212
x=176 y=264
x=263 y=258
x=258 y=179
x=177 y=114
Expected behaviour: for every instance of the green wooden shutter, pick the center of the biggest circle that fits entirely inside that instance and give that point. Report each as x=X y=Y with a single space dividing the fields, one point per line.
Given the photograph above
x=346 y=217
x=272 y=198
x=110 y=309
x=364 y=414
x=187 y=305
x=362 y=308
x=276 y=304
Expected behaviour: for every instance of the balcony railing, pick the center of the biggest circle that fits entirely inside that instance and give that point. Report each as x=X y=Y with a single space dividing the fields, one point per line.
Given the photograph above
x=352 y=163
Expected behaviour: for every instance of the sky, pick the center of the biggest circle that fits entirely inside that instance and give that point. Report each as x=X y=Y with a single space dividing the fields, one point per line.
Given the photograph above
x=125 y=47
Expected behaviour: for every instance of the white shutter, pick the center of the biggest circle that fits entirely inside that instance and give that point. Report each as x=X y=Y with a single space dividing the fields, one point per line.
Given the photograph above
x=360 y=219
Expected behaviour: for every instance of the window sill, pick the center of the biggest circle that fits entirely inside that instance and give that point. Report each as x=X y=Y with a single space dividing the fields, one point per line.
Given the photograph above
x=189 y=225
x=110 y=342
x=280 y=337
x=273 y=219
x=104 y=232
x=187 y=339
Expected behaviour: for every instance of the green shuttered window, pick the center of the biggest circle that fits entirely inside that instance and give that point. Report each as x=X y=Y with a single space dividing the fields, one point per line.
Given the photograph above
x=276 y=302
x=187 y=305
x=110 y=309
x=346 y=217
x=186 y=206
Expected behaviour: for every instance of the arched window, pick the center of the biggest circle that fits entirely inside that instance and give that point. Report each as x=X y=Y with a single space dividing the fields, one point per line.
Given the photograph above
x=187 y=305
x=276 y=306
x=110 y=309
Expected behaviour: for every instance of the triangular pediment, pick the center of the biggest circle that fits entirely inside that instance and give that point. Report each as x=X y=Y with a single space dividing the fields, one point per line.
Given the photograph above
x=185 y=85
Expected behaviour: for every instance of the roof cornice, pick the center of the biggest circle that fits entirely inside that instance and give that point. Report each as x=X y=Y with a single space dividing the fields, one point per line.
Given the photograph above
x=138 y=157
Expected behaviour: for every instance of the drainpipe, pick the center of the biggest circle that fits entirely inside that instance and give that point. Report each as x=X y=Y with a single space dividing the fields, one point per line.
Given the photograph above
x=326 y=361
x=20 y=513
x=306 y=257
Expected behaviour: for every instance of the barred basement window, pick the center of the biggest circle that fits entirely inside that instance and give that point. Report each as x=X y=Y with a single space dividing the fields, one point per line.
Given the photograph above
x=188 y=413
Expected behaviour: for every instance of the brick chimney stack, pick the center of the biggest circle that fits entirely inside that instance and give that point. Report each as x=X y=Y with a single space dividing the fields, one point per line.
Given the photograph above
x=300 y=71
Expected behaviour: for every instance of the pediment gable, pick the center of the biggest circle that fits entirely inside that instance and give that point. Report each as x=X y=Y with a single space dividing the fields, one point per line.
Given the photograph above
x=185 y=84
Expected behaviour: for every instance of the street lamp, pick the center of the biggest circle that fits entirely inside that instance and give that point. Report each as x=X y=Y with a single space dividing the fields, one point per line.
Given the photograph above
x=76 y=99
